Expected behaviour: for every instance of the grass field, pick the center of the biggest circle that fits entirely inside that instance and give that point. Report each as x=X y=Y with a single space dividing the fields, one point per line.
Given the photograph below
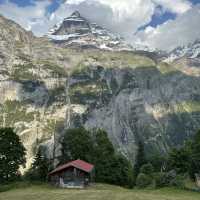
x=97 y=192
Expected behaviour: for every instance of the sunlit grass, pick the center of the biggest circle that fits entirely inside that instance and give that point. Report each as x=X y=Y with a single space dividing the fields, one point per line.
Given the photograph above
x=97 y=192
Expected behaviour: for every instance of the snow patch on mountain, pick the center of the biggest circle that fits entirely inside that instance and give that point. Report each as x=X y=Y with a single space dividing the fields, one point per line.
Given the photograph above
x=191 y=50
x=78 y=30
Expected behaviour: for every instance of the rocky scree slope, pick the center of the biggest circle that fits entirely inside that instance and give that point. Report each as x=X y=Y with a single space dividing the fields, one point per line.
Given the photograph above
x=134 y=97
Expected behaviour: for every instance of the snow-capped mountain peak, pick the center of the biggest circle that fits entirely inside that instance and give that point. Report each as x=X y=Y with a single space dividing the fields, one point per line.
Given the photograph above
x=192 y=50
x=76 y=30
x=76 y=14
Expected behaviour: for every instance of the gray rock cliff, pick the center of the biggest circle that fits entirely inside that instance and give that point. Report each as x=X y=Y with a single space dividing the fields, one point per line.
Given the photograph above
x=46 y=88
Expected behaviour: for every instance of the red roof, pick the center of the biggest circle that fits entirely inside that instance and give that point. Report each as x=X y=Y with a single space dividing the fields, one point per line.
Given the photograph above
x=79 y=164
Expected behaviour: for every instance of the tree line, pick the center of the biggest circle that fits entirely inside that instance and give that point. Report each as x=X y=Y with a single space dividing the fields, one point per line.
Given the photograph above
x=111 y=166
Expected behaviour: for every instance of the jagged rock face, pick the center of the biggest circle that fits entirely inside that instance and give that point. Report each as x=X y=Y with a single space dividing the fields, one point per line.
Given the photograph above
x=76 y=31
x=75 y=24
x=138 y=104
x=191 y=50
x=131 y=95
x=186 y=58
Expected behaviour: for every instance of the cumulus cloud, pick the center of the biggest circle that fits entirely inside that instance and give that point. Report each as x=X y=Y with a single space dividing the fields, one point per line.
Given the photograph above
x=120 y=16
x=124 y=17
x=183 y=30
x=32 y=17
x=177 y=6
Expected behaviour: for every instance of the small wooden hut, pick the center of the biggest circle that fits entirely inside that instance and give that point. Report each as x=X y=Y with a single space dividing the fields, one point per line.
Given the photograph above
x=75 y=174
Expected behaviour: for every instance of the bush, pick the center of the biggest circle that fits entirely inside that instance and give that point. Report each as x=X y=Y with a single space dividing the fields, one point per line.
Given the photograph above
x=158 y=161
x=178 y=181
x=39 y=169
x=186 y=159
x=31 y=175
x=161 y=180
x=4 y=188
x=168 y=179
x=147 y=169
x=143 y=180
x=140 y=160
x=14 y=185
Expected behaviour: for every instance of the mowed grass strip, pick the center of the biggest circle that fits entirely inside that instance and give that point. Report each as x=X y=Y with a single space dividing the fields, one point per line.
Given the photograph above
x=97 y=192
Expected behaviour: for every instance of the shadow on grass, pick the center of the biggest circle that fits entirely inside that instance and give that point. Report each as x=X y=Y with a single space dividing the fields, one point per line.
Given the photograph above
x=21 y=185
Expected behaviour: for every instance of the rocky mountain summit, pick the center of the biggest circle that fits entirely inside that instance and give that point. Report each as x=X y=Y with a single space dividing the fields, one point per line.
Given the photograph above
x=192 y=50
x=46 y=88
x=78 y=31
x=185 y=58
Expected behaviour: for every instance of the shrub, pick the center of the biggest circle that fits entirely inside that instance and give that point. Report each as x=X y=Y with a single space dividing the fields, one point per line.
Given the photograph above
x=178 y=181
x=147 y=169
x=140 y=159
x=4 y=188
x=158 y=161
x=31 y=175
x=143 y=180
x=14 y=185
x=39 y=169
x=161 y=180
x=168 y=179
x=186 y=159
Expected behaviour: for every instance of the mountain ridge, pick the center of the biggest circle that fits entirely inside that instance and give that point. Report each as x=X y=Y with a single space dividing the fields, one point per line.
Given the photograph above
x=191 y=50
x=78 y=30
x=46 y=88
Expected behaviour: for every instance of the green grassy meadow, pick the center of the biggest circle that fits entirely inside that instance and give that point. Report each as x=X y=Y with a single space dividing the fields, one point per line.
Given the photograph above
x=97 y=192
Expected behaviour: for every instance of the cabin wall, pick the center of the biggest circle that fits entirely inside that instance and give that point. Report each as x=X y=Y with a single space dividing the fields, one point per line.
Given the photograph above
x=71 y=178
x=55 y=180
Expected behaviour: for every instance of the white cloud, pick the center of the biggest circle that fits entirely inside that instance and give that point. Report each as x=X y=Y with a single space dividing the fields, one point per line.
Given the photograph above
x=123 y=17
x=175 y=6
x=183 y=30
x=120 y=16
x=32 y=17
x=127 y=6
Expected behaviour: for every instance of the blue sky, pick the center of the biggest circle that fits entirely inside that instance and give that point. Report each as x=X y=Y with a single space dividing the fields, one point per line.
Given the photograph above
x=156 y=19
x=23 y=3
x=146 y=18
x=165 y=16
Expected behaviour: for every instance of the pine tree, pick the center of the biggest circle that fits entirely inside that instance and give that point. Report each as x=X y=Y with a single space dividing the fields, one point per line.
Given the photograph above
x=95 y=147
x=140 y=159
x=12 y=155
x=41 y=166
x=194 y=155
x=187 y=158
x=39 y=169
x=77 y=144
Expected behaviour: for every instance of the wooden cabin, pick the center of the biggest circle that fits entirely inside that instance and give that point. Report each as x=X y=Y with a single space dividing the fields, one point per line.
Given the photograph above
x=75 y=174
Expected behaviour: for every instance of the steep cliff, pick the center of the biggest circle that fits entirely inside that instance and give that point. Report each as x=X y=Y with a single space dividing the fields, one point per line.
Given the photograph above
x=46 y=88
